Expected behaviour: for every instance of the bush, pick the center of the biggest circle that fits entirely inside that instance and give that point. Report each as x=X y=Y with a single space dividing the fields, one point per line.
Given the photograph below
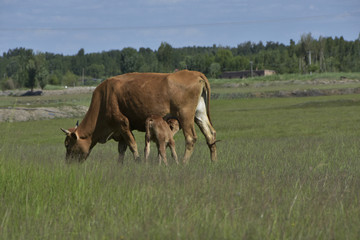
x=54 y=80
x=7 y=84
x=70 y=79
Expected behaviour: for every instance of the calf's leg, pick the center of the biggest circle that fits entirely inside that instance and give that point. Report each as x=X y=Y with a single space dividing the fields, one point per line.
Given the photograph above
x=171 y=145
x=162 y=153
x=147 y=150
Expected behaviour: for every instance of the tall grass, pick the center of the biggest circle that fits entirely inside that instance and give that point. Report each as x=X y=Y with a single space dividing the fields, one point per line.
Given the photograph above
x=288 y=169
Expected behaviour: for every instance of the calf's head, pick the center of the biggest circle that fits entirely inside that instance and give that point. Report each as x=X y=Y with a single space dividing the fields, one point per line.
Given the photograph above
x=174 y=125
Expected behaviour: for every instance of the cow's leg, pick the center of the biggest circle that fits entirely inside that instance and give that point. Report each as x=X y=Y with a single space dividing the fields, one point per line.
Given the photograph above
x=121 y=148
x=126 y=135
x=121 y=122
x=171 y=145
x=130 y=140
x=190 y=137
x=202 y=120
x=127 y=138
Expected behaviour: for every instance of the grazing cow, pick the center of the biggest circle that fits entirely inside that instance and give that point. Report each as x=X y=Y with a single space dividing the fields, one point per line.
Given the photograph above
x=162 y=133
x=122 y=104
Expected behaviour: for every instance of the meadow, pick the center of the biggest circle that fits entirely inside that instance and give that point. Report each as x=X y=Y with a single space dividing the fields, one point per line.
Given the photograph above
x=288 y=168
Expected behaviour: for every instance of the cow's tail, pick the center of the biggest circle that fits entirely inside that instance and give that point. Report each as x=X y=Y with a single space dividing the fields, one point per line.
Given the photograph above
x=207 y=93
x=206 y=126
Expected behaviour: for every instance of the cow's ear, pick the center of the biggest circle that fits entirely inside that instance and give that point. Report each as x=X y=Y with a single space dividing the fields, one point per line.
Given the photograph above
x=73 y=135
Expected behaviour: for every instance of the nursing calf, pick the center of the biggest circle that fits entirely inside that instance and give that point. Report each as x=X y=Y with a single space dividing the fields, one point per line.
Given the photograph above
x=162 y=133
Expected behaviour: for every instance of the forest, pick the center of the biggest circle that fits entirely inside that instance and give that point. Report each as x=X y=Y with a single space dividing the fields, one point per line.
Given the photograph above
x=25 y=68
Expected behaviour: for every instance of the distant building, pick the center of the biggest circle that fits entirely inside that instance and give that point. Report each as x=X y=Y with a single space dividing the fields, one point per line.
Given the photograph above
x=247 y=73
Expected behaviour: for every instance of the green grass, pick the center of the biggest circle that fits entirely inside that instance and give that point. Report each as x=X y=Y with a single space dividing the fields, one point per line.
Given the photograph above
x=290 y=77
x=286 y=84
x=288 y=169
x=53 y=87
x=280 y=87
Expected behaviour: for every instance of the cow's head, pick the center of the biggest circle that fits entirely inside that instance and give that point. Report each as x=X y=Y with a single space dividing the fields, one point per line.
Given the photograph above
x=77 y=148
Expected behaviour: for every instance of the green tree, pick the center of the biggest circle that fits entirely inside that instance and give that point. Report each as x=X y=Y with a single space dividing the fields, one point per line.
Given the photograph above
x=7 y=84
x=42 y=77
x=321 y=52
x=328 y=54
x=306 y=46
x=70 y=79
x=111 y=61
x=96 y=70
x=54 y=80
x=31 y=74
x=238 y=63
x=292 y=48
x=18 y=59
x=214 y=70
x=150 y=62
x=41 y=70
x=78 y=62
x=165 y=56
x=12 y=67
x=130 y=60
x=223 y=57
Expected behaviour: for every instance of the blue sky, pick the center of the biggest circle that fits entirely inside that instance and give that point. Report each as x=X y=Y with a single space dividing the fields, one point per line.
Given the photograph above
x=65 y=26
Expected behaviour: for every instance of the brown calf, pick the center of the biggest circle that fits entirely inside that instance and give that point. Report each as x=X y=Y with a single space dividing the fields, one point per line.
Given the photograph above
x=162 y=133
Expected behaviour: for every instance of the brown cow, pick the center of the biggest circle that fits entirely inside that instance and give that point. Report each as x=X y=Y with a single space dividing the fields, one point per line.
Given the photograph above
x=162 y=133
x=121 y=104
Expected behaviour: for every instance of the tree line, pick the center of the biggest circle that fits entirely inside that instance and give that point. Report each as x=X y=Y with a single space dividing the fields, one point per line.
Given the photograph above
x=22 y=67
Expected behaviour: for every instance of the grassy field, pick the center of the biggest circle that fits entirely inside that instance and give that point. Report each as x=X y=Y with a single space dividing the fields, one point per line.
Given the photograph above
x=288 y=169
x=286 y=85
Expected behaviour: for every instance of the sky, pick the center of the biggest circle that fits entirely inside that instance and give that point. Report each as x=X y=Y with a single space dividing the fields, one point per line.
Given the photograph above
x=66 y=26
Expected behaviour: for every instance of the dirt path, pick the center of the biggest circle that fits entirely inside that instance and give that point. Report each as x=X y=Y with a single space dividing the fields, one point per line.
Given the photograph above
x=30 y=114
x=16 y=114
x=70 y=90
